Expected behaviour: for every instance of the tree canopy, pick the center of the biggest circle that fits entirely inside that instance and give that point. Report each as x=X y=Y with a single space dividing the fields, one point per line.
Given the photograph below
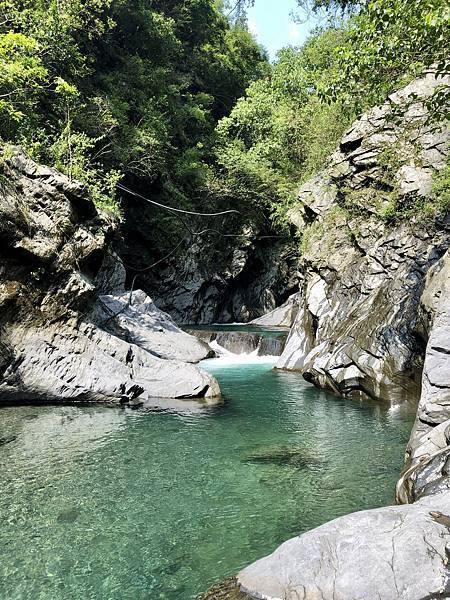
x=177 y=100
x=110 y=88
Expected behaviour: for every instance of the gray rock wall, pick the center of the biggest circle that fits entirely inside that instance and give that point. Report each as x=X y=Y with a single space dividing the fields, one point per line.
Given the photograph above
x=357 y=330
x=214 y=279
x=394 y=552
x=427 y=467
x=68 y=330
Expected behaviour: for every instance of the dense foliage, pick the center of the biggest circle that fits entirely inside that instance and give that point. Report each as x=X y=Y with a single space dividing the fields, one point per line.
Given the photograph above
x=280 y=133
x=388 y=41
x=109 y=88
x=175 y=99
x=288 y=123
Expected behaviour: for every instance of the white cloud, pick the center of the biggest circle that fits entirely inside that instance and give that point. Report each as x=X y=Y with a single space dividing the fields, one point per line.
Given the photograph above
x=294 y=32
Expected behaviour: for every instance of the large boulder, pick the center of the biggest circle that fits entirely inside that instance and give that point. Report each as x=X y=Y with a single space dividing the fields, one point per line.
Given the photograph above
x=69 y=331
x=282 y=316
x=134 y=317
x=83 y=363
x=392 y=553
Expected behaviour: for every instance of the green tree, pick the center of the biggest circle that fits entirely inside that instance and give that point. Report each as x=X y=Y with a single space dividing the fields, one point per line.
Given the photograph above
x=390 y=40
x=280 y=133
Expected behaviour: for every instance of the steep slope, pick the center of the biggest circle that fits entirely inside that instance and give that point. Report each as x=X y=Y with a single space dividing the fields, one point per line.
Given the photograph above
x=367 y=248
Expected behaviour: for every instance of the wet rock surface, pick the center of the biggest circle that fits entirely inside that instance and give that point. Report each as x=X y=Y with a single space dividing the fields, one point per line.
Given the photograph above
x=68 y=329
x=226 y=590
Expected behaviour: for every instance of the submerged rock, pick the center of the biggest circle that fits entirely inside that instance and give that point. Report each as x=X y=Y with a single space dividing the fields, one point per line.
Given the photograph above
x=69 y=331
x=294 y=456
x=70 y=515
x=7 y=440
x=227 y=590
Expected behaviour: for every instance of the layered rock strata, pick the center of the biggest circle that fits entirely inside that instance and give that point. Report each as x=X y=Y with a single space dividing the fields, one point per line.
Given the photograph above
x=397 y=552
x=68 y=329
x=356 y=330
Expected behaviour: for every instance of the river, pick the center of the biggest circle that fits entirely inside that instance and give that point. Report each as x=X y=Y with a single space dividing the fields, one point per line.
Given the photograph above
x=111 y=504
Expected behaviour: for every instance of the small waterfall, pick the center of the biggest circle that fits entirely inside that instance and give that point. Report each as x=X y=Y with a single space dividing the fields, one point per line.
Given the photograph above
x=272 y=346
x=243 y=342
x=238 y=342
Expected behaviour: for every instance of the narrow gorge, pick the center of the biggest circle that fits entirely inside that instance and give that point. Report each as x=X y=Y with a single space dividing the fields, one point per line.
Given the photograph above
x=224 y=301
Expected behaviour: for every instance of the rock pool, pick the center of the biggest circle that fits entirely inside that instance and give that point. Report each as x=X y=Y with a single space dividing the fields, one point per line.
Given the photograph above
x=102 y=503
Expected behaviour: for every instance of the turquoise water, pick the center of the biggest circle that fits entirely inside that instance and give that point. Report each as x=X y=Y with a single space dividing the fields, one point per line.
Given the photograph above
x=102 y=503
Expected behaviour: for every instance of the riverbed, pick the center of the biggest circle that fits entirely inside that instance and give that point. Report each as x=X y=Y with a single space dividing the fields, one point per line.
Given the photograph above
x=103 y=503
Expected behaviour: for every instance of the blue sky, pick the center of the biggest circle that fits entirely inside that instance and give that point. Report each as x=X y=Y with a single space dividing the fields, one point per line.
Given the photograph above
x=271 y=23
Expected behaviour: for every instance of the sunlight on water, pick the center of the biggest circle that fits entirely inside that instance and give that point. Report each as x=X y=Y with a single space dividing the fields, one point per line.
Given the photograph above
x=110 y=504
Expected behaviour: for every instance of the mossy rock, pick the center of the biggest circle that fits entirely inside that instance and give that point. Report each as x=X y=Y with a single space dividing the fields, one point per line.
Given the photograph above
x=226 y=590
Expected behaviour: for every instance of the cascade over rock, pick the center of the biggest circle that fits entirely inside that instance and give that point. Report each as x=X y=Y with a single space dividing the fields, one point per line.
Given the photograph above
x=244 y=342
x=68 y=329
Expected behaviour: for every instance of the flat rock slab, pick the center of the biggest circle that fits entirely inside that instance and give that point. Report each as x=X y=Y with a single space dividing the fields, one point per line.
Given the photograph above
x=135 y=318
x=392 y=553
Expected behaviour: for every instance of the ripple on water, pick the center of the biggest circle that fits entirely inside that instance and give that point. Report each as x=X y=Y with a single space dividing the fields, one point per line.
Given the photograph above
x=105 y=503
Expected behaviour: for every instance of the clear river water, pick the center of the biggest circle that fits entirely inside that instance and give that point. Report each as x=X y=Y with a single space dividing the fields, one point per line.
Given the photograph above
x=110 y=504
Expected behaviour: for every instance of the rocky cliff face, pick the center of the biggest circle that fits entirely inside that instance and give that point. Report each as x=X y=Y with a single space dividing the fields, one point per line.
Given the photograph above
x=68 y=330
x=213 y=279
x=358 y=329
x=373 y=320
